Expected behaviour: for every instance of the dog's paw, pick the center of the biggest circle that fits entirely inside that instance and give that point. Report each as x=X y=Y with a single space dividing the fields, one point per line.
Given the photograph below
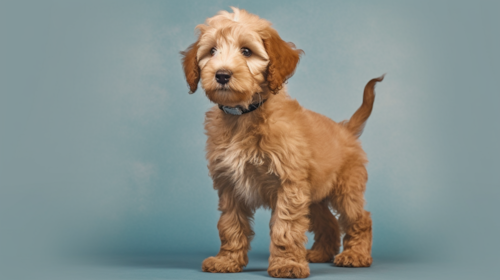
x=350 y=258
x=317 y=256
x=283 y=268
x=220 y=264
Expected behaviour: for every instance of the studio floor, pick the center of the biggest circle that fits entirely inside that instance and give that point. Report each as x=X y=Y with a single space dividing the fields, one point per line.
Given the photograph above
x=189 y=267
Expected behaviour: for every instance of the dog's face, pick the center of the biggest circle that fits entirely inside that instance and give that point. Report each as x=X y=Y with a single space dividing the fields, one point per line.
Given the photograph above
x=239 y=59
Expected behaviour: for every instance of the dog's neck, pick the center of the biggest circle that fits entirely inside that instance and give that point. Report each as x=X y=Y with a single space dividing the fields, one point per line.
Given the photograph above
x=258 y=100
x=246 y=123
x=239 y=110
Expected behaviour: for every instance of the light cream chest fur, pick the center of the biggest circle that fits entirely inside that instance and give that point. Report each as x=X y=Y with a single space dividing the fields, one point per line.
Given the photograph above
x=251 y=171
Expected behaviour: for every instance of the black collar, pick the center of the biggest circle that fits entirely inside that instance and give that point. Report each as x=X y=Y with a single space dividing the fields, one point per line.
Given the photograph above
x=238 y=110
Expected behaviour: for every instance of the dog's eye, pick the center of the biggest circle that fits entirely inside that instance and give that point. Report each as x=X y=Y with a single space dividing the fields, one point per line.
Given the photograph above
x=212 y=51
x=246 y=52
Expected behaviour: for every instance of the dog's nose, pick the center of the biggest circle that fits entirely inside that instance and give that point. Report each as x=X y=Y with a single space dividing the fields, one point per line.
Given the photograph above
x=222 y=77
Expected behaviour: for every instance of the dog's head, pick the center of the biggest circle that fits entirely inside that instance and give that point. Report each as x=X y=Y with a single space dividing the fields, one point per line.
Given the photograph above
x=238 y=56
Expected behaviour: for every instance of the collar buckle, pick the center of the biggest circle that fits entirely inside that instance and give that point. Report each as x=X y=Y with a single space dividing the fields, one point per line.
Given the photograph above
x=232 y=110
x=238 y=110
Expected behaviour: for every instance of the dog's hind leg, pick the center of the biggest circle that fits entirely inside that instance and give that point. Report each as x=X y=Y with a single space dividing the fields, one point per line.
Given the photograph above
x=356 y=223
x=326 y=233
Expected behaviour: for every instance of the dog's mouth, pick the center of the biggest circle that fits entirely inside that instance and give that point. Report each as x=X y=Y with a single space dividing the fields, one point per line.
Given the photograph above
x=223 y=88
x=230 y=94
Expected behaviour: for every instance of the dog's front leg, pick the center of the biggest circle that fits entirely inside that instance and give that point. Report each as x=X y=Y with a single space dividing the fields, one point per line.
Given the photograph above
x=289 y=223
x=235 y=233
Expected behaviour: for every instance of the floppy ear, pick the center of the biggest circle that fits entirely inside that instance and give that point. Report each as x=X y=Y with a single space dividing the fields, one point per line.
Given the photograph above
x=191 y=68
x=283 y=58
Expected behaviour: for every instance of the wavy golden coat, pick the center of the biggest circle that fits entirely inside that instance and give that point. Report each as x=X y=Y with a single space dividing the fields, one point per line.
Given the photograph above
x=281 y=156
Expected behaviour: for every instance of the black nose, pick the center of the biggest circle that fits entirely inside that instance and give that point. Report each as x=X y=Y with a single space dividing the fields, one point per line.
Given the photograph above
x=222 y=77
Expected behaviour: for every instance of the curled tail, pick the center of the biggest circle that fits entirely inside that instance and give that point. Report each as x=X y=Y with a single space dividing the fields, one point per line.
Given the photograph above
x=357 y=122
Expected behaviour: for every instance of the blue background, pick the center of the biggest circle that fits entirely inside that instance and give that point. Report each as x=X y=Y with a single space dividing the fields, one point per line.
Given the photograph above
x=102 y=168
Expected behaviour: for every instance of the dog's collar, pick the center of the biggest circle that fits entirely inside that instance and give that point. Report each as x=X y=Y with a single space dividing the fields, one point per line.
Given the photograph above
x=238 y=110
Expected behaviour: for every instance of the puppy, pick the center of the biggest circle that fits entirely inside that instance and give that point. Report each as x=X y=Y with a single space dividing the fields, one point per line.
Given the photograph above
x=264 y=149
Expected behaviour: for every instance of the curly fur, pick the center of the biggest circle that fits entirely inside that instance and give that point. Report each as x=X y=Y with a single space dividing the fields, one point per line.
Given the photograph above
x=281 y=156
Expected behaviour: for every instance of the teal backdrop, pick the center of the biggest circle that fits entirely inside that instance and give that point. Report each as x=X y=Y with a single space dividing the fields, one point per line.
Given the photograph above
x=102 y=148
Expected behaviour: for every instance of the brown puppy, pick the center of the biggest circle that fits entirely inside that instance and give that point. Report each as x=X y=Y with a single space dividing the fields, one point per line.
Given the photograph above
x=264 y=149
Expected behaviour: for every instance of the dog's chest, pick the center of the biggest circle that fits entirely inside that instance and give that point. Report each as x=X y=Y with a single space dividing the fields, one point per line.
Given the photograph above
x=250 y=170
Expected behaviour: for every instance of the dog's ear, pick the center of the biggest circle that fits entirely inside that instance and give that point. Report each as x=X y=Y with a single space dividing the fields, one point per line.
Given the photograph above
x=191 y=68
x=283 y=58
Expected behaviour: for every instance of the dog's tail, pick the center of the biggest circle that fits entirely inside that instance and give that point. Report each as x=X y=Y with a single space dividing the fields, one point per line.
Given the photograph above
x=357 y=122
